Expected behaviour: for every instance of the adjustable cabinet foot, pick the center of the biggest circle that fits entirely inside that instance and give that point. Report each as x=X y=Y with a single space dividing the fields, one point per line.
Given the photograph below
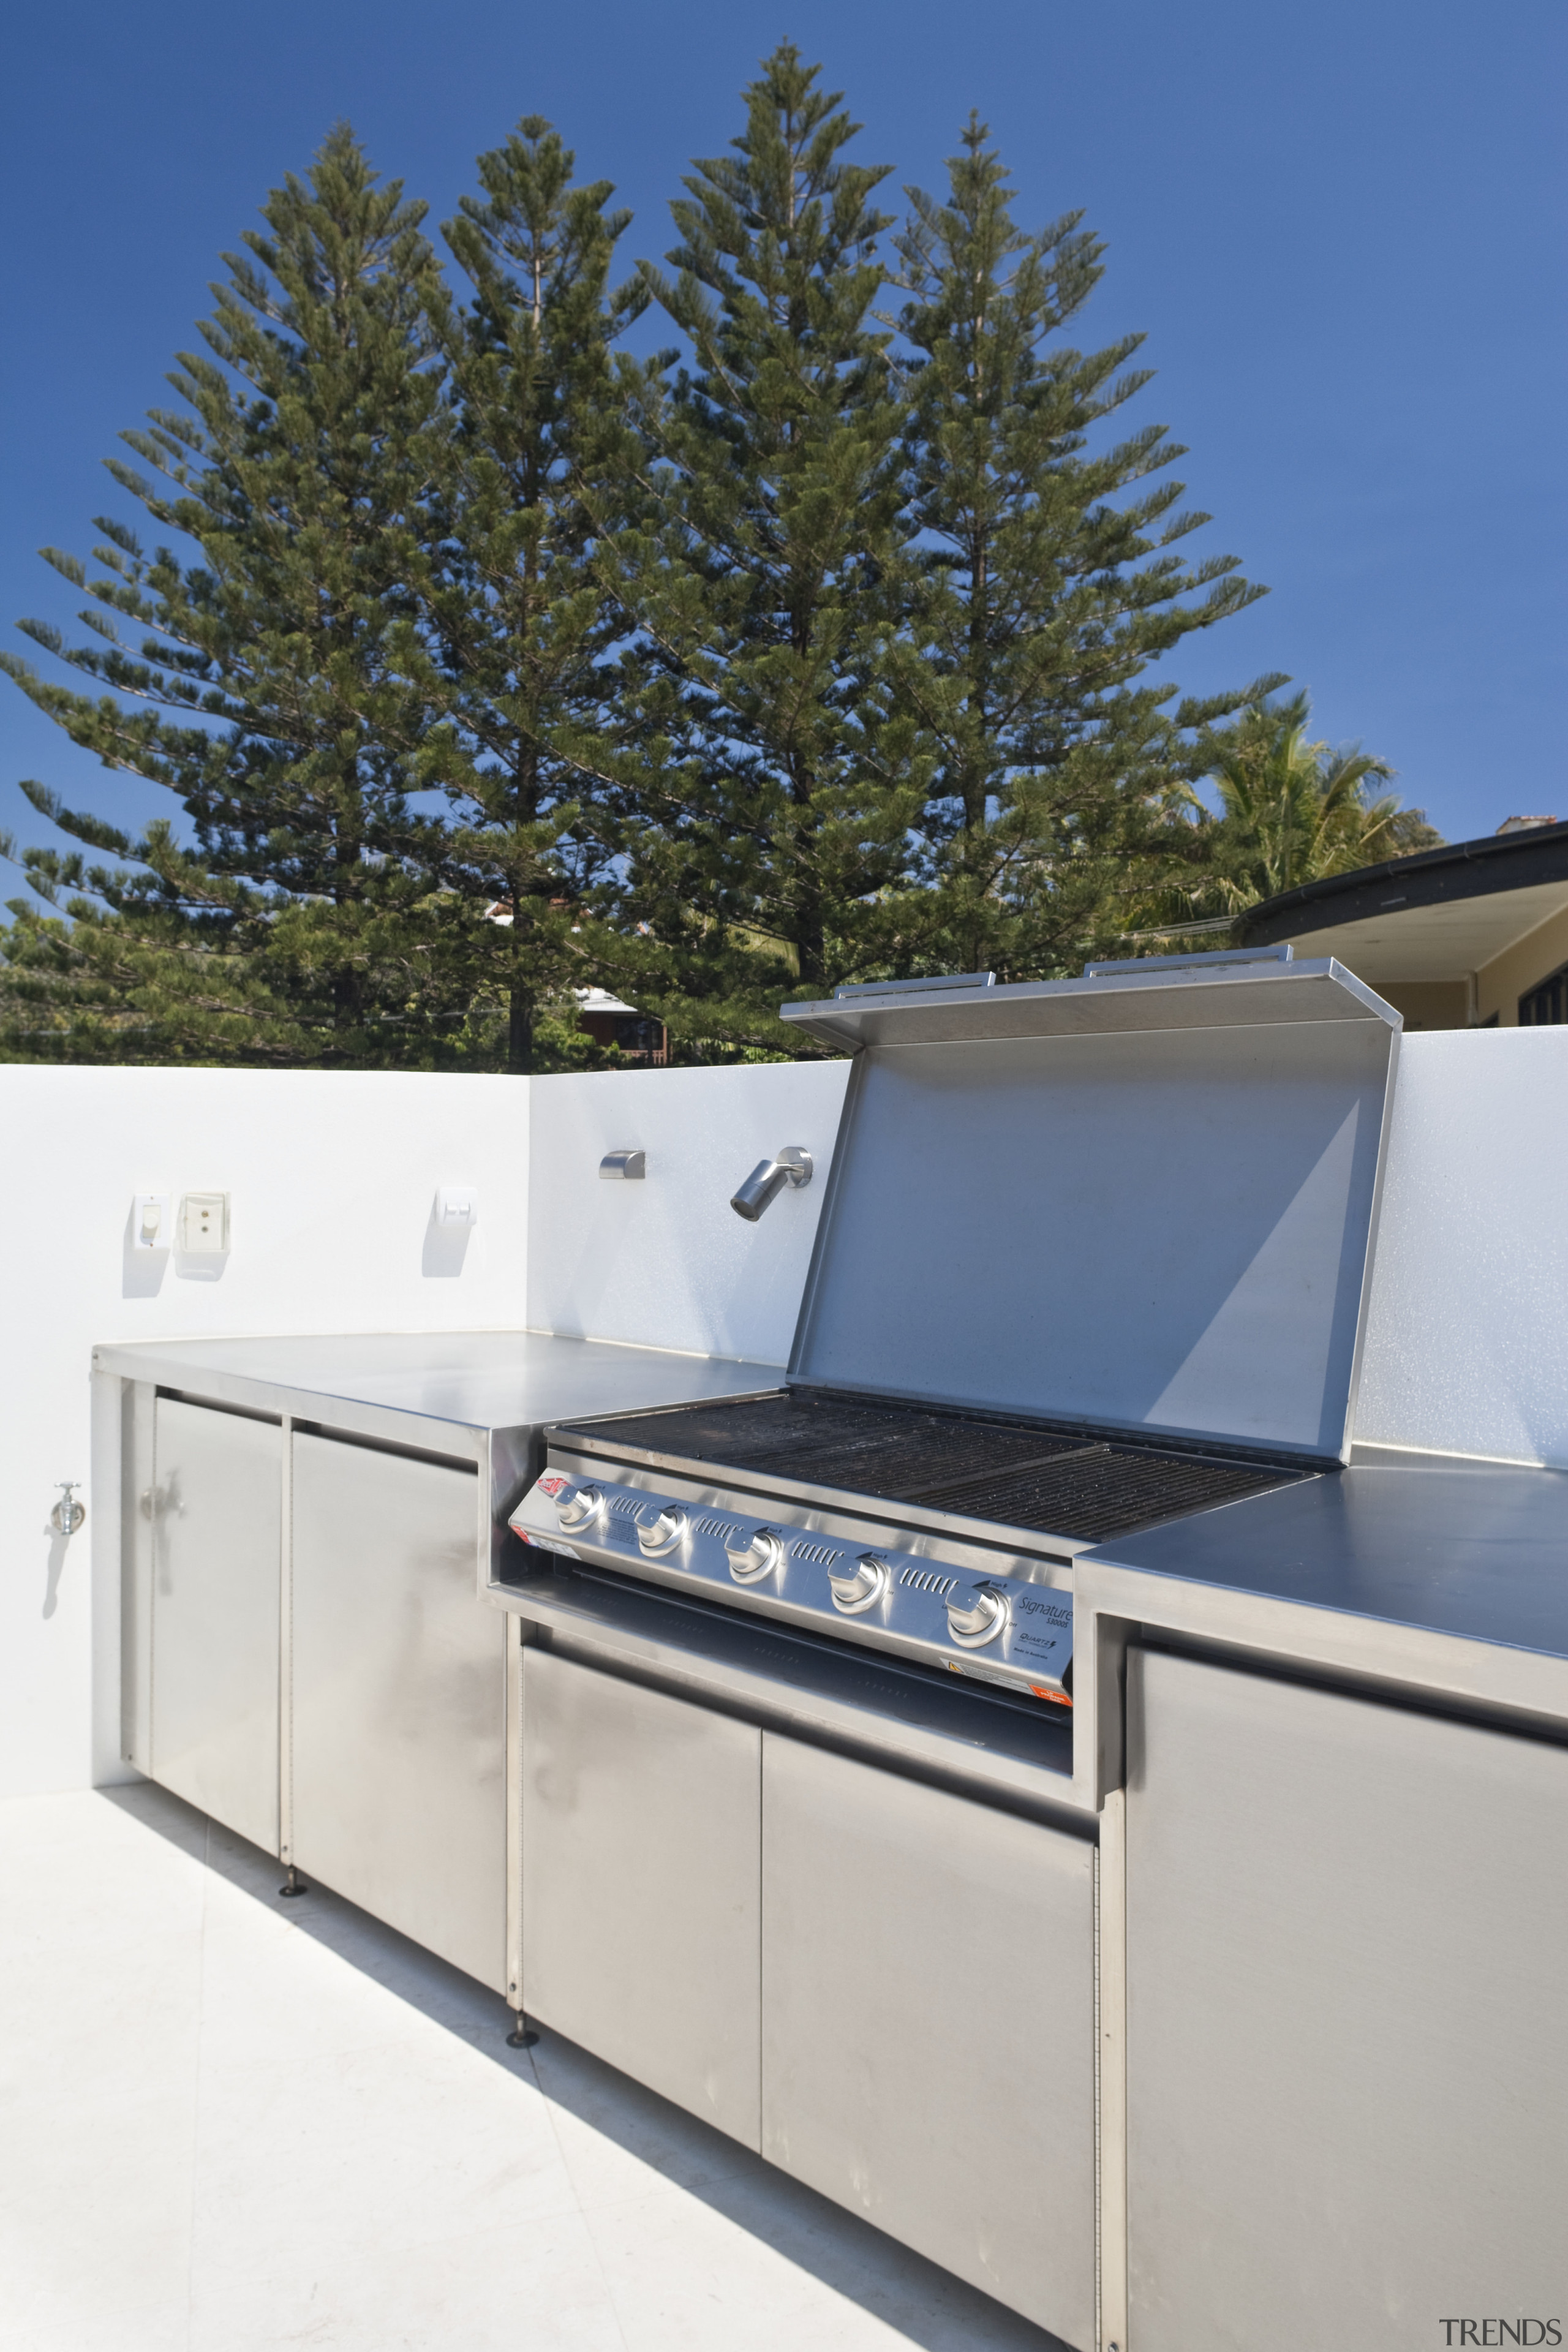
x=522 y=2035
x=293 y=1884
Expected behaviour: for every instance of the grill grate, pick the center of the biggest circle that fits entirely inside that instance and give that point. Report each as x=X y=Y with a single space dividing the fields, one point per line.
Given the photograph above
x=1104 y=1490
x=1010 y=1473
x=893 y=1451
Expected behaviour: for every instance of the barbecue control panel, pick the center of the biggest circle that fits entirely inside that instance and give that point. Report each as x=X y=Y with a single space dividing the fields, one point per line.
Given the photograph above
x=997 y=1629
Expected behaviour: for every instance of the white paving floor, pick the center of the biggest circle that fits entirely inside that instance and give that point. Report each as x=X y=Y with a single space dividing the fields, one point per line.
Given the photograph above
x=228 y=2122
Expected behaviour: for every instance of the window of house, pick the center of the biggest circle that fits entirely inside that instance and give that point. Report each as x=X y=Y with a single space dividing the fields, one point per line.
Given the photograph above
x=1546 y=1002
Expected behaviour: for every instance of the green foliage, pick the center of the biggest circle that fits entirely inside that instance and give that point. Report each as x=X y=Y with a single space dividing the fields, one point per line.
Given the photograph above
x=512 y=655
x=776 y=788
x=485 y=662
x=1290 y=811
x=303 y=923
x=1045 y=584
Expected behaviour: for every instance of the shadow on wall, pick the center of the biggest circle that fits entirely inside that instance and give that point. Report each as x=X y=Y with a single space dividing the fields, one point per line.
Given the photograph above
x=920 y=2304
x=445 y=1247
x=59 y=1545
x=144 y=1267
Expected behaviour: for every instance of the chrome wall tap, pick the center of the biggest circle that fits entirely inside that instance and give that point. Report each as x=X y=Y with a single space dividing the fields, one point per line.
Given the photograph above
x=791 y=1166
x=68 y=1514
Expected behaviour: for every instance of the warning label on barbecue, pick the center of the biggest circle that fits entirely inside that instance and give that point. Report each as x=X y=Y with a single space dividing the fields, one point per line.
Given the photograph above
x=550 y=1544
x=974 y=1670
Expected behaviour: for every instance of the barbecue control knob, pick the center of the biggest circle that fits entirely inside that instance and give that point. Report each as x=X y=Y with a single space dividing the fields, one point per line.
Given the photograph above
x=663 y=1532
x=979 y=1618
x=754 y=1556
x=854 y=1593
x=576 y=1505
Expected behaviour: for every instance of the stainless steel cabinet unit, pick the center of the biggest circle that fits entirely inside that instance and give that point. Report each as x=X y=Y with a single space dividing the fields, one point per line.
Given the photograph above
x=1347 y=2039
x=212 y=1599
x=641 y=1877
x=305 y=1529
x=398 y=1698
x=928 y=2023
x=885 y=1986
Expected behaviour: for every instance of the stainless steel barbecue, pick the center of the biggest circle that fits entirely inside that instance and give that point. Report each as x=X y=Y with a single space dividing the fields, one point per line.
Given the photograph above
x=1093 y=1256
x=942 y=1538
x=800 y=1779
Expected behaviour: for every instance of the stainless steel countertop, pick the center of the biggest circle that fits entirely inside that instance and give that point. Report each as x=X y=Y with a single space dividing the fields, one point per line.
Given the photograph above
x=1447 y=1580
x=1438 y=1583
x=1479 y=1550
x=475 y=1379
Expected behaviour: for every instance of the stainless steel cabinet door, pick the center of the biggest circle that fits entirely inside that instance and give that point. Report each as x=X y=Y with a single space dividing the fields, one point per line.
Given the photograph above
x=641 y=1869
x=1347 y=2057
x=216 y=1569
x=928 y=2024
x=398 y=1699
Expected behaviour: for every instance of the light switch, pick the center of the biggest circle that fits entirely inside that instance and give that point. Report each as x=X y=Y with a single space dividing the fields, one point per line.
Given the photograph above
x=203 y=1224
x=152 y=1227
x=457 y=1206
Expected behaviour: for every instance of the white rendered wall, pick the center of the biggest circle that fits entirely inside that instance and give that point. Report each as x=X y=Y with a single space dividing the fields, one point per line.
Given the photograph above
x=332 y=1177
x=1466 y=1346
x=666 y=1262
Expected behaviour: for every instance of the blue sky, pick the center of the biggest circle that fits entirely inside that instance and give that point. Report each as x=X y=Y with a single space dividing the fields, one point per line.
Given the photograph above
x=1341 y=229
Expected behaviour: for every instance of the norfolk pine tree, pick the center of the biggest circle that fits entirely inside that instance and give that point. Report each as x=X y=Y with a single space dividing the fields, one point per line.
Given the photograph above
x=298 y=925
x=774 y=798
x=1041 y=592
x=514 y=651
x=835 y=604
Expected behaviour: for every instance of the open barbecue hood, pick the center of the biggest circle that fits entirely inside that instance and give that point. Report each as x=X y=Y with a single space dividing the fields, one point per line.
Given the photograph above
x=1143 y=1199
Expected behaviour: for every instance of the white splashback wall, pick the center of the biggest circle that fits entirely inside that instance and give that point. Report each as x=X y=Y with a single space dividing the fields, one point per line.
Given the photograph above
x=1467 y=1348
x=666 y=1262
x=331 y=1176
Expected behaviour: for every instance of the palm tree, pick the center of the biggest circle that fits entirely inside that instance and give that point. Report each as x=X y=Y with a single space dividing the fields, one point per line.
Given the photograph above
x=1290 y=811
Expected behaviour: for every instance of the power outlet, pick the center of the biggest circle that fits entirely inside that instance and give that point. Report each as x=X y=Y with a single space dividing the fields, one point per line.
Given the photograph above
x=203 y=1224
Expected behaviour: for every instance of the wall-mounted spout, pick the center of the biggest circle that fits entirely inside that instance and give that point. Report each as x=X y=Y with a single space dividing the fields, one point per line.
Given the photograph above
x=791 y=1166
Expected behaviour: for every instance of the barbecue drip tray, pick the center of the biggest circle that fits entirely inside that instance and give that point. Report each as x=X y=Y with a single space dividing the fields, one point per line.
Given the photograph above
x=1013 y=1474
